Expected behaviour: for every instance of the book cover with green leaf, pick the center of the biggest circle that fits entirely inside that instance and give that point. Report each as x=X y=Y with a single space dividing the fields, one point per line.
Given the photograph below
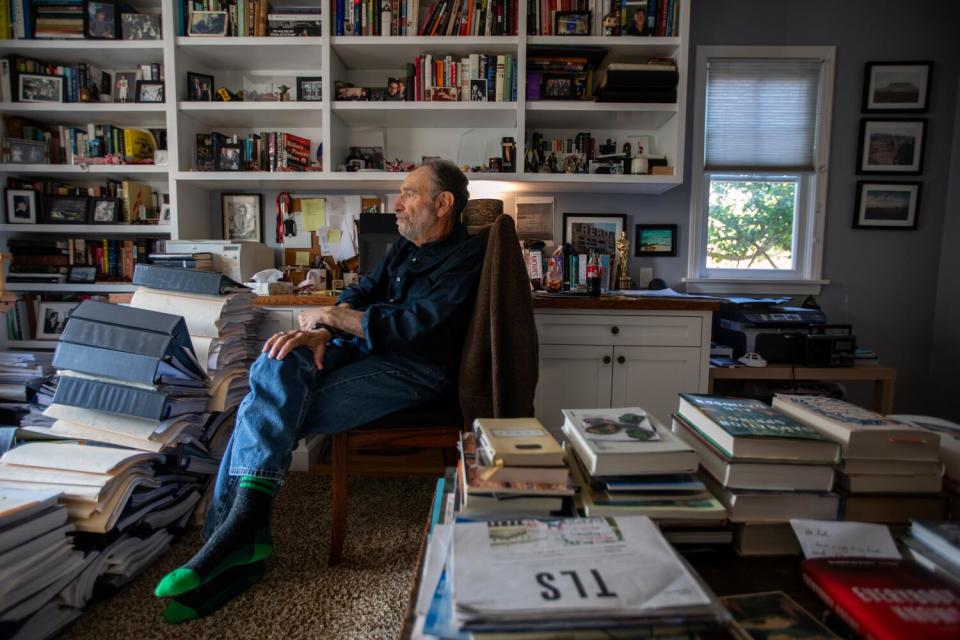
x=747 y=418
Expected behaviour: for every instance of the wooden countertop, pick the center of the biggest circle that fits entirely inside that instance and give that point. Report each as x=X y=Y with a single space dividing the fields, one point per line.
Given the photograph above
x=293 y=300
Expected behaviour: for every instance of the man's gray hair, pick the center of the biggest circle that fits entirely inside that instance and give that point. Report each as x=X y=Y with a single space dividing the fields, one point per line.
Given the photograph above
x=448 y=177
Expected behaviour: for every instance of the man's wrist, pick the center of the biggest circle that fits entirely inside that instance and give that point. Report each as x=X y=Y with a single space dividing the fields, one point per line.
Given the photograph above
x=322 y=326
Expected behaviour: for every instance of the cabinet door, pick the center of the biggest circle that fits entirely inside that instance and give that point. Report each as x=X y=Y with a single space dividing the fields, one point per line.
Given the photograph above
x=275 y=321
x=572 y=377
x=651 y=377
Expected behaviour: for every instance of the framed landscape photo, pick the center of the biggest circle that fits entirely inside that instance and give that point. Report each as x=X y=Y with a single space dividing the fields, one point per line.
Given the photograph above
x=52 y=319
x=309 y=89
x=597 y=231
x=891 y=146
x=208 y=23
x=34 y=87
x=241 y=216
x=149 y=92
x=571 y=23
x=82 y=275
x=657 y=240
x=896 y=86
x=105 y=210
x=21 y=151
x=21 y=206
x=101 y=20
x=66 y=209
x=199 y=87
x=886 y=205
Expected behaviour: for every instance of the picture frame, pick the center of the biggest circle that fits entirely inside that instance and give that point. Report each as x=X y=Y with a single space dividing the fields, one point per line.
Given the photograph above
x=66 y=209
x=149 y=92
x=140 y=26
x=572 y=23
x=21 y=151
x=124 y=86
x=886 y=205
x=372 y=157
x=396 y=90
x=637 y=23
x=444 y=94
x=896 y=86
x=348 y=92
x=309 y=89
x=655 y=240
x=229 y=157
x=82 y=274
x=52 y=319
x=208 y=24
x=21 y=206
x=105 y=210
x=101 y=20
x=478 y=90
x=200 y=87
x=557 y=87
x=37 y=87
x=241 y=216
x=891 y=146
x=598 y=231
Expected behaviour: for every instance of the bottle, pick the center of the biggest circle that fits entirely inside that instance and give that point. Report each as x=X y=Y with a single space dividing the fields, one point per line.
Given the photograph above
x=555 y=275
x=593 y=275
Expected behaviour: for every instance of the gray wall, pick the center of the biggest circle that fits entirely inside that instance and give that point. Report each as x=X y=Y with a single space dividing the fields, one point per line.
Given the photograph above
x=885 y=283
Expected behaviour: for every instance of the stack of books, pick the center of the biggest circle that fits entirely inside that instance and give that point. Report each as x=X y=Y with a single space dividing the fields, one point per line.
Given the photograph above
x=199 y=261
x=936 y=546
x=652 y=81
x=764 y=466
x=509 y=467
x=949 y=453
x=627 y=464
x=891 y=471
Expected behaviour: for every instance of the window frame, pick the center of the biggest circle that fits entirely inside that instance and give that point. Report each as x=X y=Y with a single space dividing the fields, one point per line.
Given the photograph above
x=806 y=277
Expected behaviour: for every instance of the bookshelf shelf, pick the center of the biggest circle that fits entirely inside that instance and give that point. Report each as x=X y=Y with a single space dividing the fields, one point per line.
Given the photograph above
x=428 y=114
x=117 y=113
x=98 y=287
x=96 y=171
x=106 y=54
x=254 y=54
x=230 y=180
x=261 y=115
x=620 y=45
x=552 y=114
x=136 y=230
x=393 y=52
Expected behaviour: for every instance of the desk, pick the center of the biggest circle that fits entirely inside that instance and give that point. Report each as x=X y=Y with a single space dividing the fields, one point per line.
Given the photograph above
x=882 y=377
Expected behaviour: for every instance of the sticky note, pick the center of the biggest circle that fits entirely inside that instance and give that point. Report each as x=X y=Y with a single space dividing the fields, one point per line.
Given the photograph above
x=303 y=259
x=314 y=213
x=828 y=539
x=334 y=235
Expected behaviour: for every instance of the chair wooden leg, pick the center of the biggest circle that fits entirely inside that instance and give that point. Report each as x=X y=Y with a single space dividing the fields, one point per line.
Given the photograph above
x=338 y=511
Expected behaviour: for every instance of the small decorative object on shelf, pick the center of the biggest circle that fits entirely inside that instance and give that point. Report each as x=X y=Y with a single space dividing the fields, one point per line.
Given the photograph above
x=106 y=210
x=101 y=20
x=309 y=89
x=623 y=253
x=149 y=92
x=284 y=93
x=572 y=23
x=208 y=23
x=140 y=26
x=21 y=206
x=199 y=87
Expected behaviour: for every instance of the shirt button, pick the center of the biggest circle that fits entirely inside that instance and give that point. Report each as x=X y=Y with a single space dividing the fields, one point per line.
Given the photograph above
x=414 y=260
x=392 y=300
x=398 y=278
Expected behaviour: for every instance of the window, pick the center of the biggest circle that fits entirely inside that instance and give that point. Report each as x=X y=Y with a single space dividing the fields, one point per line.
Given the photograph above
x=761 y=136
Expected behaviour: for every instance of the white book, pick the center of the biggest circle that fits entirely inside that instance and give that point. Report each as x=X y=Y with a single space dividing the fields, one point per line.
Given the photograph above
x=774 y=506
x=949 y=440
x=500 y=77
x=463 y=75
x=76 y=457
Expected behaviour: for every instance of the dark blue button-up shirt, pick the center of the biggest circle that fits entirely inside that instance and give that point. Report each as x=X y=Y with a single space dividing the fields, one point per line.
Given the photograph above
x=418 y=300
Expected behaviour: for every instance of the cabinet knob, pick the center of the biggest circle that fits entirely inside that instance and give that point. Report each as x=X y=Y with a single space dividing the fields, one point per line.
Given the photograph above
x=606 y=359
x=621 y=359
x=614 y=330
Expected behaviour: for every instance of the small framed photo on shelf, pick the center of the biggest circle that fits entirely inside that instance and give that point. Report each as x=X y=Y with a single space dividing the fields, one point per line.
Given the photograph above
x=597 y=231
x=444 y=94
x=199 y=87
x=19 y=151
x=204 y=158
x=896 y=86
x=309 y=89
x=140 y=26
x=101 y=20
x=637 y=23
x=34 y=87
x=571 y=23
x=66 y=210
x=886 y=205
x=557 y=87
x=149 y=92
x=52 y=319
x=656 y=240
x=396 y=90
x=105 y=210
x=208 y=23
x=82 y=275
x=21 y=206
x=478 y=90
x=229 y=156
x=891 y=146
x=349 y=92
x=241 y=216
x=124 y=86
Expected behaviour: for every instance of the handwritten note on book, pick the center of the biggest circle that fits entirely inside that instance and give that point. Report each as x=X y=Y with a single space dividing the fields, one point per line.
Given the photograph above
x=826 y=539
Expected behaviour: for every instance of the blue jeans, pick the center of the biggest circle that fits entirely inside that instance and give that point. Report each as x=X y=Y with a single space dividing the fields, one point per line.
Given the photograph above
x=291 y=398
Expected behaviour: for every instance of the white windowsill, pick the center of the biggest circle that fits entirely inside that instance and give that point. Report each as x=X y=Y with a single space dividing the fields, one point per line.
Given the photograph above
x=745 y=286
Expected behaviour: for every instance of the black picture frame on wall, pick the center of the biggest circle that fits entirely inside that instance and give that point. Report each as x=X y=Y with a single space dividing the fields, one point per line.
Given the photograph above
x=597 y=231
x=897 y=86
x=887 y=205
x=655 y=240
x=891 y=146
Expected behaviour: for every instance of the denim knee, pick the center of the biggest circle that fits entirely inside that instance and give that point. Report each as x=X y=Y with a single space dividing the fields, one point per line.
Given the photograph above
x=266 y=370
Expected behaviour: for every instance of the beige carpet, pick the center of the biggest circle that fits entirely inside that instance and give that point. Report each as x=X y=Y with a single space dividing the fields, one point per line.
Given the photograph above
x=365 y=597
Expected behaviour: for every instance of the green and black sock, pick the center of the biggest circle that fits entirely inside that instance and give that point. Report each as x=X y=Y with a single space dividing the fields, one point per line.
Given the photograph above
x=211 y=596
x=243 y=538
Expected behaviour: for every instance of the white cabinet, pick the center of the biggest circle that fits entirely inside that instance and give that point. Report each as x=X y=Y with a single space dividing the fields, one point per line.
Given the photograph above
x=598 y=358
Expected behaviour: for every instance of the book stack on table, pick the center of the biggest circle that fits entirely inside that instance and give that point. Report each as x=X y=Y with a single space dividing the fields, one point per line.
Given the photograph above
x=890 y=472
x=765 y=467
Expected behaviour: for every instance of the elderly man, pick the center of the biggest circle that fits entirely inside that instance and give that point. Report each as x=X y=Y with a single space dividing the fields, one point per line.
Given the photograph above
x=392 y=342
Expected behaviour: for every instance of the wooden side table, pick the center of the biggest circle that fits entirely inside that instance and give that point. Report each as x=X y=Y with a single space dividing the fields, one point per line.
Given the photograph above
x=883 y=378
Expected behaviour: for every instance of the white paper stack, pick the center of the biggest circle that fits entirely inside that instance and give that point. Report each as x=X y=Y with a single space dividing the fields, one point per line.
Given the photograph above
x=126 y=431
x=19 y=368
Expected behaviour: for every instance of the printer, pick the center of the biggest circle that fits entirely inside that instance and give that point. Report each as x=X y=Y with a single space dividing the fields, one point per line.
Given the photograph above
x=783 y=334
x=236 y=259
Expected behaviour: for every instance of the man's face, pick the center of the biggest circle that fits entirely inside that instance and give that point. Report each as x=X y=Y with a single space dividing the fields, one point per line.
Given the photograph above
x=417 y=205
x=393 y=88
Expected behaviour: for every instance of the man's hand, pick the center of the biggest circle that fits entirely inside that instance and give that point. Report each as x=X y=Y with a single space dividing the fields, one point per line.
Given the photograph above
x=280 y=344
x=313 y=317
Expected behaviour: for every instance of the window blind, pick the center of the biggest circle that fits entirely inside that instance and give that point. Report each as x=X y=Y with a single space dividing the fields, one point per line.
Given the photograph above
x=761 y=114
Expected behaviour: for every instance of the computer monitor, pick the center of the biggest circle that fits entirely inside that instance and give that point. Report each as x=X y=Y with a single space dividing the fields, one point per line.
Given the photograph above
x=376 y=233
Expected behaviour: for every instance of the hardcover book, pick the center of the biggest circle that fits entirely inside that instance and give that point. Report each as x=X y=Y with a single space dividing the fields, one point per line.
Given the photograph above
x=522 y=442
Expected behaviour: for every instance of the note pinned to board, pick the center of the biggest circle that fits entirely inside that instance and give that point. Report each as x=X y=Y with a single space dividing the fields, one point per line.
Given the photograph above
x=828 y=539
x=303 y=259
x=314 y=212
x=334 y=236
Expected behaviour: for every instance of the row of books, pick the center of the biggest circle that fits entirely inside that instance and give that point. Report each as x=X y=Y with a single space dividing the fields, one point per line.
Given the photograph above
x=33 y=143
x=605 y=17
x=137 y=201
x=654 y=80
x=79 y=82
x=82 y=260
x=264 y=151
x=436 y=18
x=475 y=78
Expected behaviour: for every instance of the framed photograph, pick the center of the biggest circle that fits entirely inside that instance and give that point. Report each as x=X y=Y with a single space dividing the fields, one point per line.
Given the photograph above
x=372 y=157
x=657 y=240
x=396 y=90
x=33 y=87
x=21 y=151
x=309 y=89
x=597 y=231
x=229 y=157
x=241 y=216
x=886 y=205
x=557 y=87
x=140 y=26
x=891 y=146
x=52 y=319
x=151 y=92
x=444 y=94
x=21 y=206
x=105 y=210
x=478 y=90
x=637 y=18
x=378 y=94
x=346 y=91
x=82 y=274
x=199 y=87
x=896 y=86
x=571 y=23
x=208 y=23
x=101 y=20
x=66 y=209
x=124 y=86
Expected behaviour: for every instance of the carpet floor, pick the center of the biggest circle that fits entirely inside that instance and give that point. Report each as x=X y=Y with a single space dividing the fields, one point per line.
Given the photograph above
x=365 y=597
